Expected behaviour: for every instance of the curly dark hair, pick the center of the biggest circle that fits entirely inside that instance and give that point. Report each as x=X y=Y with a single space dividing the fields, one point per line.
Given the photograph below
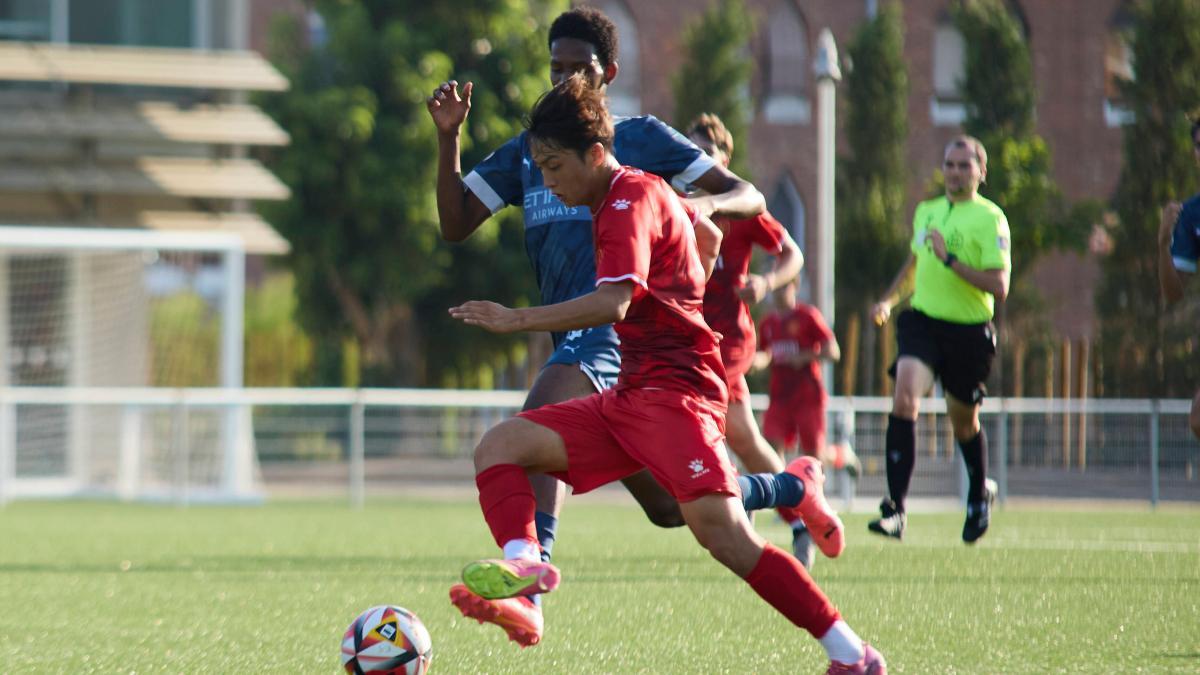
x=571 y=116
x=591 y=26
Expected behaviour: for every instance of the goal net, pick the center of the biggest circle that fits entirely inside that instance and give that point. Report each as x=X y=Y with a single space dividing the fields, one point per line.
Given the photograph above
x=97 y=328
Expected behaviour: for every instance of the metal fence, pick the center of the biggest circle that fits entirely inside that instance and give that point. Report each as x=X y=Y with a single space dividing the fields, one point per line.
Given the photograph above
x=172 y=443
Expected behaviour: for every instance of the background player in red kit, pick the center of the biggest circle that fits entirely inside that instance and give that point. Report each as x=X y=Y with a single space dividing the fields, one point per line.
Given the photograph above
x=667 y=411
x=795 y=338
x=727 y=299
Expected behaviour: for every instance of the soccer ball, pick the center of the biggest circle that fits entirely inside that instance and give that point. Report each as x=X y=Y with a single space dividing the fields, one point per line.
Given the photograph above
x=387 y=640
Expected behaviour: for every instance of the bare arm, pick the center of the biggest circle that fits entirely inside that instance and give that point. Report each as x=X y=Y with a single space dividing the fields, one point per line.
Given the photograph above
x=460 y=212
x=788 y=263
x=727 y=195
x=708 y=240
x=607 y=304
x=1169 y=280
x=900 y=289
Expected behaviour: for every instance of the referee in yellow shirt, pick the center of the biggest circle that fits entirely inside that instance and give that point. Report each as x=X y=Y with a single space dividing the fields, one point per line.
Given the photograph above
x=959 y=267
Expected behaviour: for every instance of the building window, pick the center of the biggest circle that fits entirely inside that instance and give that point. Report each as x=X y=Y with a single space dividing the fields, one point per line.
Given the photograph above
x=949 y=69
x=624 y=94
x=145 y=23
x=788 y=208
x=786 y=100
x=1118 y=68
x=25 y=20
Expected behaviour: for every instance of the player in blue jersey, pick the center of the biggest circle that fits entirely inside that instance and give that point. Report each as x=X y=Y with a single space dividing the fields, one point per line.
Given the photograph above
x=1179 y=251
x=558 y=240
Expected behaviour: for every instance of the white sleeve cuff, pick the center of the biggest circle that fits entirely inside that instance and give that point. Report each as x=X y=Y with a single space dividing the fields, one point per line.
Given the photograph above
x=684 y=179
x=624 y=277
x=475 y=183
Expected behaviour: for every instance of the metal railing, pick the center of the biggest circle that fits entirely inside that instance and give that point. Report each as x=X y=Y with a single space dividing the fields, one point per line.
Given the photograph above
x=175 y=444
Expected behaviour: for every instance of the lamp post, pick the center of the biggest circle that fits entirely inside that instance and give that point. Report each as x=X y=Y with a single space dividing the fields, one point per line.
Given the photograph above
x=825 y=67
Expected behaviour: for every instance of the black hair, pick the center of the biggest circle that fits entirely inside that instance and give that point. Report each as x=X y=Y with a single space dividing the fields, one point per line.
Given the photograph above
x=571 y=116
x=591 y=26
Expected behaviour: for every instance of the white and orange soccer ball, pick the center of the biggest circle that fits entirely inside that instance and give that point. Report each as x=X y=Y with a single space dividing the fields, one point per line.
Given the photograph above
x=387 y=640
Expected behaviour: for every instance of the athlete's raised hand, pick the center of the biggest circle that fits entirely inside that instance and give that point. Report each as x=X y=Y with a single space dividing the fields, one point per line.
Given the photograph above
x=447 y=108
x=487 y=315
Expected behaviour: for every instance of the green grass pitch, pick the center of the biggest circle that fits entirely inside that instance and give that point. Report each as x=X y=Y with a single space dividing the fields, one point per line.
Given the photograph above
x=109 y=588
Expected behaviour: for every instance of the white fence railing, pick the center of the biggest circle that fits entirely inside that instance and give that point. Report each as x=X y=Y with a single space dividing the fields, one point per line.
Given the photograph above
x=177 y=444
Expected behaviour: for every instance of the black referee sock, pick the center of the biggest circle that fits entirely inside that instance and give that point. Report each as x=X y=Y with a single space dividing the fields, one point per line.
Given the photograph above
x=901 y=457
x=975 y=455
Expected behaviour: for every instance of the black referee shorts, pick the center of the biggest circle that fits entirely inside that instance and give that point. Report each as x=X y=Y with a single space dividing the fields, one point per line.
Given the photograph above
x=960 y=354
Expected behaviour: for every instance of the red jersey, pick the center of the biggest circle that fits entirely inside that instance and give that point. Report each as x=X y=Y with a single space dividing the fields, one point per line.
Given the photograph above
x=643 y=232
x=782 y=334
x=723 y=309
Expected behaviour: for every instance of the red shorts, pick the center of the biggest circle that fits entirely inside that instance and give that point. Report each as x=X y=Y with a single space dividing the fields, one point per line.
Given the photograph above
x=796 y=419
x=617 y=433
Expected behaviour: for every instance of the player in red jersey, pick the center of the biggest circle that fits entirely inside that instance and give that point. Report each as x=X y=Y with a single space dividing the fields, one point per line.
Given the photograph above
x=793 y=340
x=727 y=299
x=667 y=411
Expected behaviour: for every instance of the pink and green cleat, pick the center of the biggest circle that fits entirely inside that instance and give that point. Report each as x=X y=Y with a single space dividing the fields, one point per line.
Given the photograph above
x=826 y=528
x=495 y=579
x=520 y=618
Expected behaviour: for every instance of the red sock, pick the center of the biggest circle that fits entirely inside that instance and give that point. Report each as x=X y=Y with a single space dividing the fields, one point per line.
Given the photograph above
x=508 y=503
x=784 y=583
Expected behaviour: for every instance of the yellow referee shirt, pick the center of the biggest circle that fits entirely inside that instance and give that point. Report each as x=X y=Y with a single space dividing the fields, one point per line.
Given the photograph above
x=976 y=232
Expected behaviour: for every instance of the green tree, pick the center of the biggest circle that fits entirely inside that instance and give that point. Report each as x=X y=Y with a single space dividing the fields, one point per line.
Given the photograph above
x=278 y=351
x=1147 y=351
x=871 y=180
x=715 y=74
x=373 y=277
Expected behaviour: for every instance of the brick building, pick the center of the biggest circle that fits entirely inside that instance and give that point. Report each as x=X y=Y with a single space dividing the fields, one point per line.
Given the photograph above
x=1076 y=47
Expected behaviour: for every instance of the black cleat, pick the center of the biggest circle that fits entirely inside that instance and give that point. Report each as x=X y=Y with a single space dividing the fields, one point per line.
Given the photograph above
x=892 y=521
x=979 y=513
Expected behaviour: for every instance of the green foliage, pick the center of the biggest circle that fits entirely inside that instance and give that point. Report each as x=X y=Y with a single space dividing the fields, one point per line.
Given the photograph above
x=998 y=88
x=369 y=263
x=872 y=178
x=871 y=234
x=278 y=351
x=715 y=74
x=185 y=342
x=1146 y=351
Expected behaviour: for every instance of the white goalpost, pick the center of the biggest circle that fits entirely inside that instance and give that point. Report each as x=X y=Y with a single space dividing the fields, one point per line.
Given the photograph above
x=97 y=327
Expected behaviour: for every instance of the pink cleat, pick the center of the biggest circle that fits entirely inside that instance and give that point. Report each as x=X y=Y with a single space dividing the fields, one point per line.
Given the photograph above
x=520 y=618
x=872 y=663
x=495 y=579
x=826 y=528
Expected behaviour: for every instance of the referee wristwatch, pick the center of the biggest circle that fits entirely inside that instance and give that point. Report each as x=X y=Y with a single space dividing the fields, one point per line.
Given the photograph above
x=949 y=261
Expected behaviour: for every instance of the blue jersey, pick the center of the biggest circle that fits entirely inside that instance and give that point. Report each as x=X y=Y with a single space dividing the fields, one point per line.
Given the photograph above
x=558 y=238
x=1185 y=242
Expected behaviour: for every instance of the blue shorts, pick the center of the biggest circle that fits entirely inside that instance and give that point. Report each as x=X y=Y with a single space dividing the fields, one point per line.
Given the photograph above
x=595 y=350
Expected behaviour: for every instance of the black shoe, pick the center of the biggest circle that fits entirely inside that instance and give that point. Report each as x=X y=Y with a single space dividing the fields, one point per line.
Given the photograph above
x=892 y=521
x=979 y=513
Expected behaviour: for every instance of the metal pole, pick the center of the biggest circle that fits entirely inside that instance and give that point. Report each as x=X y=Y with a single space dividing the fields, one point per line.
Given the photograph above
x=825 y=67
x=358 y=473
x=1154 y=453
